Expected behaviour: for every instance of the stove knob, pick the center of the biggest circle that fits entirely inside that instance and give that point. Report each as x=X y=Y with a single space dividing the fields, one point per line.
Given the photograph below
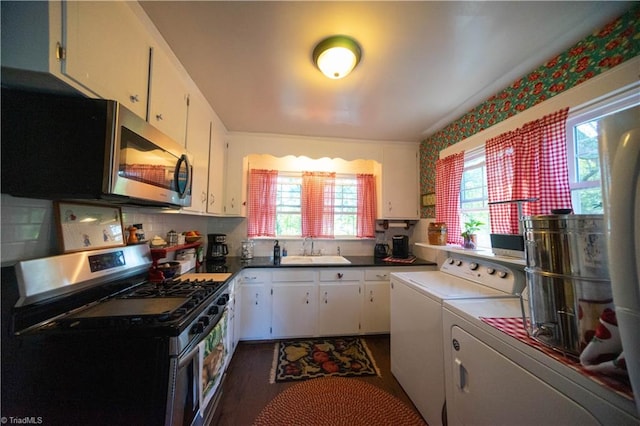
x=204 y=320
x=502 y=274
x=491 y=271
x=197 y=328
x=458 y=262
x=473 y=266
x=213 y=310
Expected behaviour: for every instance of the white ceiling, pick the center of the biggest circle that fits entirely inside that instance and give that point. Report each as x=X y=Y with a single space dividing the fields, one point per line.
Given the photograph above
x=423 y=65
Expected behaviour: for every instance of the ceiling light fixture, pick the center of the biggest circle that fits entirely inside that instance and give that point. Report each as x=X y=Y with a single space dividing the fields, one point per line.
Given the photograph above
x=337 y=56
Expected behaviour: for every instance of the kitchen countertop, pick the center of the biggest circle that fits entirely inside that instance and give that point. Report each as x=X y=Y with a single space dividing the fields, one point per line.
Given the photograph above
x=235 y=264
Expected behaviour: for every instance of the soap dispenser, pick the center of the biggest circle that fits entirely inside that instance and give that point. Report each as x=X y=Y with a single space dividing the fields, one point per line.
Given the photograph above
x=276 y=253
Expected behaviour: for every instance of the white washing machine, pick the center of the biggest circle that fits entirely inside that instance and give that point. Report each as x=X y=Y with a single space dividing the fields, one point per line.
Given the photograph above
x=495 y=379
x=416 y=323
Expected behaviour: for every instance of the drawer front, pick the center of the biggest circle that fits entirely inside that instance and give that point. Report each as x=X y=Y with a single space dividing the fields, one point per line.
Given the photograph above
x=250 y=276
x=343 y=274
x=377 y=274
x=294 y=275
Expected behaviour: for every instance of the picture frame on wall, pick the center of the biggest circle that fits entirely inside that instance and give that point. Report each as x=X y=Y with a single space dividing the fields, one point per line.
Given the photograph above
x=429 y=199
x=86 y=226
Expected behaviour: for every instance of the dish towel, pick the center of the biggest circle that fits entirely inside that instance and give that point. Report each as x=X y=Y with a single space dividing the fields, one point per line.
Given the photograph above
x=603 y=353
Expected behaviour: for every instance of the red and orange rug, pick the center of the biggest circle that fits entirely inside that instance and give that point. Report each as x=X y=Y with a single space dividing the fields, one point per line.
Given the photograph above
x=308 y=359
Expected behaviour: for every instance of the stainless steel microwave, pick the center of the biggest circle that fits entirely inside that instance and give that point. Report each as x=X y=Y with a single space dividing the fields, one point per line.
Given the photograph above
x=67 y=147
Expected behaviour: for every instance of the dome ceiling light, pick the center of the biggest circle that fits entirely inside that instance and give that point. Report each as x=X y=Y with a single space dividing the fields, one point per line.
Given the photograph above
x=337 y=56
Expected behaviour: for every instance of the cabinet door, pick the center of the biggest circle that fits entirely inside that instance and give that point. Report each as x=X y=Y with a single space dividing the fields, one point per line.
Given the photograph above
x=107 y=51
x=255 y=312
x=168 y=97
x=483 y=379
x=198 y=141
x=294 y=310
x=215 y=197
x=235 y=182
x=400 y=183
x=375 y=311
x=339 y=305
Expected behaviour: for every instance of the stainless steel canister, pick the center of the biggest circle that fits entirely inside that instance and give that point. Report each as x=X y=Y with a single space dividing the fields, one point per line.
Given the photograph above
x=567 y=277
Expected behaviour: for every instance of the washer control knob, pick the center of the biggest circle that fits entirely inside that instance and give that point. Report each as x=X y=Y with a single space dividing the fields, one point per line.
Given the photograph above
x=502 y=274
x=473 y=266
x=458 y=262
x=450 y=261
x=491 y=271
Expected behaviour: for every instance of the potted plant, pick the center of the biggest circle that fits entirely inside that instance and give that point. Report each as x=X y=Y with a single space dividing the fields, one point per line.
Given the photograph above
x=471 y=226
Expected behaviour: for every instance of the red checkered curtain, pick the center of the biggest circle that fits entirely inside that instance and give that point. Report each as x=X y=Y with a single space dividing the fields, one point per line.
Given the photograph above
x=530 y=162
x=261 y=208
x=366 y=212
x=448 y=178
x=317 y=199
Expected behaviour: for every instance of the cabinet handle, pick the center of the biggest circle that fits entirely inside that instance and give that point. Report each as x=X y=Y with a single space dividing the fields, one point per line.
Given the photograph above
x=203 y=197
x=340 y=275
x=325 y=298
x=159 y=117
x=212 y=198
x=371 y=296
x=307 y=301
x=134 y=98
x=257 y=298
x=382 y=277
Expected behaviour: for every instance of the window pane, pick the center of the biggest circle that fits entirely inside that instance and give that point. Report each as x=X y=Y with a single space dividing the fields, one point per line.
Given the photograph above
x=288 y=219
x=586 y=149
x=345 y=207
x=587 y=200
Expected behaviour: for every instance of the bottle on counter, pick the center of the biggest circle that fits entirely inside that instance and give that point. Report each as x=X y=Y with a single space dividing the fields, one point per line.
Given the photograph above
x=276 y=253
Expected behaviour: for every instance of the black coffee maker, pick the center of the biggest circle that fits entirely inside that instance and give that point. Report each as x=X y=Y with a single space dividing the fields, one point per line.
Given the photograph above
x=400 y=246
x=217 y=249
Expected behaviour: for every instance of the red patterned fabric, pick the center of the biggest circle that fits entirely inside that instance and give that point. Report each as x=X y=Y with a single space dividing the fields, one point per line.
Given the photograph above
x=317 y=199
x=516 y=329
x=261 y=198
x=366 y=212
x=448 y=178
x=529 y=162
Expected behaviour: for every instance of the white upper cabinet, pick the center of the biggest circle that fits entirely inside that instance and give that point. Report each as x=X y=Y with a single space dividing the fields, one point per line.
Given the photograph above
x=215 y=198
x=107 y=51
x=168 y=96
x=198 y=145
x=236 y=182
x=400 y=183
x=98 y=48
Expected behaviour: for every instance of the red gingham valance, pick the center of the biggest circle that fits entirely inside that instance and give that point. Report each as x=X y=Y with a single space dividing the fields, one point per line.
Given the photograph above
x=529 y=162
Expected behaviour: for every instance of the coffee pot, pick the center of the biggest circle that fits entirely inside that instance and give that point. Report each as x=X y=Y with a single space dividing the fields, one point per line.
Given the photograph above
x=217 y=249
x=381 y=250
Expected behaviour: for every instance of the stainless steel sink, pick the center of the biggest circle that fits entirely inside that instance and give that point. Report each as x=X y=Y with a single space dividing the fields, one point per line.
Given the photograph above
x=314 y=260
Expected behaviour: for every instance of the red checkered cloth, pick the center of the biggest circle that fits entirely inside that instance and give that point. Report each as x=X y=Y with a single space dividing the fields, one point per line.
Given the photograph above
x=529 y=162
x=448 y=178
x=409 y=259
x=514 y=328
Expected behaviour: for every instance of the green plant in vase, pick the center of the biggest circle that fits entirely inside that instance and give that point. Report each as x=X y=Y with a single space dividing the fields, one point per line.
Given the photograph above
x=471 y=226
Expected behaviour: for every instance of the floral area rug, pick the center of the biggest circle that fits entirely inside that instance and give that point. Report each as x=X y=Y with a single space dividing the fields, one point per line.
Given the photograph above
x=308 y=359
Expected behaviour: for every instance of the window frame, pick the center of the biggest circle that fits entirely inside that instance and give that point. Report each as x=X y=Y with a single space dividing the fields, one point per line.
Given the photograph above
x=592 y=111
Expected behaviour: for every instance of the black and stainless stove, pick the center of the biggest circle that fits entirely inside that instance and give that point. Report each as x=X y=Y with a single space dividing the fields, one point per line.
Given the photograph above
x=94 y=314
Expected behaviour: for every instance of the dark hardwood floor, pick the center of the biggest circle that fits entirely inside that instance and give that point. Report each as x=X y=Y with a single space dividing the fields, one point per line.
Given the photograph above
x=247 y=389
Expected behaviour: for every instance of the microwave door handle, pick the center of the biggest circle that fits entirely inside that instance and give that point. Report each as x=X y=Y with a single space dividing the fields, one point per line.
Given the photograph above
x=183 y=159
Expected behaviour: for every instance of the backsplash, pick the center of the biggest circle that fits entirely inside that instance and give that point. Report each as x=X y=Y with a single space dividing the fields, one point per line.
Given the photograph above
x=28 y=231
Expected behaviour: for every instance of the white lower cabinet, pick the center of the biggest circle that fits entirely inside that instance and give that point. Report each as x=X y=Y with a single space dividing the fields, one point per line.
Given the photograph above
x=376 y=305
x=340 y=303
x=274 y=303
x=294 y=303
x=255 y=305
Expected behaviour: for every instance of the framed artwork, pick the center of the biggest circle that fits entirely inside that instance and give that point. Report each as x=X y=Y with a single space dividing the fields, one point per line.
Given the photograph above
x=429 y=199
x=88 y=226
